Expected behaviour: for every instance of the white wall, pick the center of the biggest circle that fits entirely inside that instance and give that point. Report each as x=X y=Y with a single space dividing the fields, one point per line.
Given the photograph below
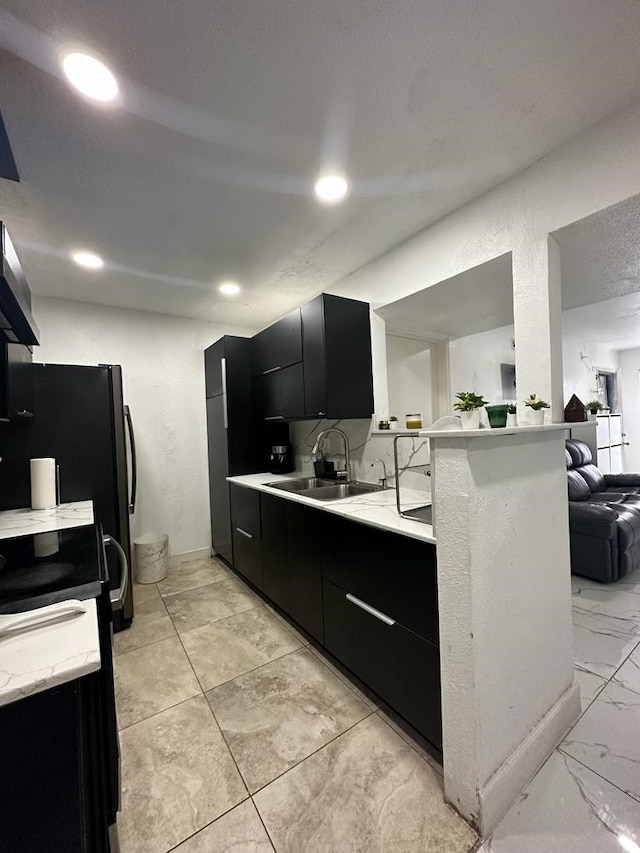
x=475 y=363
x=163 y=376
x=582 y=358
x=629 y=361
x=409 y=378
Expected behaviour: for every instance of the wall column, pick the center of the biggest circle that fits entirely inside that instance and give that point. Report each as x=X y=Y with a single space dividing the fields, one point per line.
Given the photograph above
x=537 y=315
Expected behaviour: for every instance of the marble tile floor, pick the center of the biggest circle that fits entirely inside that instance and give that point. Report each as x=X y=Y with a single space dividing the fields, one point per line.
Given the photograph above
x=238 y=735
x=586 y=797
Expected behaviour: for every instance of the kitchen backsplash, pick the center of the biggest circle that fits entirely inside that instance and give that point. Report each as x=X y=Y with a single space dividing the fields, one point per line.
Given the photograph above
x=364 y=449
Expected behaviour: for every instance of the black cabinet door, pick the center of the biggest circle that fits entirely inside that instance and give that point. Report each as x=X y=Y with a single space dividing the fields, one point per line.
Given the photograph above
x=275 y=553
x=304 y=533
x=401 y=667
x=218 y=473
x=245 y=519
x=280 y=395
x=394 y=573
x=213 y=378
x=43 y=804
x=277 y=346
x=347 y=344
x=315 y=379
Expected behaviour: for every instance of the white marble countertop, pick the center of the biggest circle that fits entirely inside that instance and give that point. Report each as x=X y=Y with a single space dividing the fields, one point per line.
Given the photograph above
x=491 y=433
x=22 y=522
x=54 y=653
x=377 y=509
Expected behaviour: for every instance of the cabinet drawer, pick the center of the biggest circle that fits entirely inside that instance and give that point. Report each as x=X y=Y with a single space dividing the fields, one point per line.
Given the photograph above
x=247 y=555
x=394 y=573
x=401 y=667
x=304 y=531
x=245 y=509
x=277 y=346
x=280 y=395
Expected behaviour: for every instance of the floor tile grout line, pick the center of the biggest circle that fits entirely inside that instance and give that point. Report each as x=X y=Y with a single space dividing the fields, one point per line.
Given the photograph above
x=220 y=579
x=254 y=669
x=215 y=621
x=207 y=825
x=157 y=713
x=591 y=770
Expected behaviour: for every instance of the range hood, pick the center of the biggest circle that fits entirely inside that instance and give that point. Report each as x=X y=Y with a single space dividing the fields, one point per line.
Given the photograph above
x=17 y=325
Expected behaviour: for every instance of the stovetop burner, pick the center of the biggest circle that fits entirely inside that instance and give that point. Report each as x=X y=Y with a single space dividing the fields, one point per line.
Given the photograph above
x=47 y=567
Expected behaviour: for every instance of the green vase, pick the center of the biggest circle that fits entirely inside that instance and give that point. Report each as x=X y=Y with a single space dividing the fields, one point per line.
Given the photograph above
x=497 y=416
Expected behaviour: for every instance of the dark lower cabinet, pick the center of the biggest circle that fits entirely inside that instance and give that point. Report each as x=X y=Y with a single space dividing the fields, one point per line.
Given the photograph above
x=400 y=666
x=246 y=533
x=304 y=535
x=275 y=551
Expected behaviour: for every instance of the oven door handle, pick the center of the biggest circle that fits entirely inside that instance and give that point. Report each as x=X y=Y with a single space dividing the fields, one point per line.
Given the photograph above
x=118 y=595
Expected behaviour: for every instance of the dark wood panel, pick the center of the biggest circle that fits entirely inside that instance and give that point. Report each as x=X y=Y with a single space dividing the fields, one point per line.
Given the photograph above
x=401 y=667
x=219 y=503
x=394 y=573
x=279 y=345
x=213 y=356
x=304 y=531
x=280 y=394
x=275 y=552
x=247 y=554
x=313 y=349
x=347 y=333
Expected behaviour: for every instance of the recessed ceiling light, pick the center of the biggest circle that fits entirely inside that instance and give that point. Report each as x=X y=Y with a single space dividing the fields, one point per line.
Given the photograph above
x=331 y=188
x=229 y=288
x=90 y=76
x=88 y=259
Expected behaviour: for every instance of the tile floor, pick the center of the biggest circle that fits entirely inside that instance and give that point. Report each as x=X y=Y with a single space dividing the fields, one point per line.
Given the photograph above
x=237 y=735
x=586 y=798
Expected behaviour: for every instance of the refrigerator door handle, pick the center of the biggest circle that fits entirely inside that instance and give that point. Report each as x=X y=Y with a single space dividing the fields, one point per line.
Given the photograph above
x=118 y=595
x=134 y=461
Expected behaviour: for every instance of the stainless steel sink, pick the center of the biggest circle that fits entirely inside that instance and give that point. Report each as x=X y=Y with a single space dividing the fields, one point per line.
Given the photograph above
x=338 y=491
x=301 y=484
x=324 y=490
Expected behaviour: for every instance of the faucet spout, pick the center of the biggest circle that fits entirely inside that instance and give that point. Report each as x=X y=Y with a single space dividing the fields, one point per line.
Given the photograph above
x=320 y=440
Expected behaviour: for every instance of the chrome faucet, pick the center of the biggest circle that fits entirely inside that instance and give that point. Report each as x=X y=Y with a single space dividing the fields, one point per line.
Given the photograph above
x=320 y=440
x=384 y=479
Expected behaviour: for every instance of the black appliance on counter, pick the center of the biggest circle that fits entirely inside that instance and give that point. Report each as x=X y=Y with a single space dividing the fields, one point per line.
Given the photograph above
x=281 y=459
x=60 y=780
x=81 y=421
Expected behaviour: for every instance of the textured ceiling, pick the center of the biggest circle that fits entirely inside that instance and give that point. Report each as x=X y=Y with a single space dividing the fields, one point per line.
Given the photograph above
x=230 y=108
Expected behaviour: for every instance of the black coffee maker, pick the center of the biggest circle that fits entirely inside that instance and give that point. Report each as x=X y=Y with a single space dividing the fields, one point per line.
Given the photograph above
x=281 y=459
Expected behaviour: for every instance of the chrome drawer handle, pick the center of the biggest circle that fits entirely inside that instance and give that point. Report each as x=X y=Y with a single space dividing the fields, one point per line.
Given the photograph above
x=371 y=610
x=244 y=533
x=275 y=418
x=271 y=370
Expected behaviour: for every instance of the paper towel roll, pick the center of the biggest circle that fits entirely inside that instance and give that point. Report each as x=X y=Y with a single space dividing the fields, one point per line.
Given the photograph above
x=46 y=544
x=43 y=483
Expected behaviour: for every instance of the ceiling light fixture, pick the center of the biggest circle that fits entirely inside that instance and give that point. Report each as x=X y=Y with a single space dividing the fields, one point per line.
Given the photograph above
x=90 y=76
x=88 y=259
x=331 y=189
x=229 y=288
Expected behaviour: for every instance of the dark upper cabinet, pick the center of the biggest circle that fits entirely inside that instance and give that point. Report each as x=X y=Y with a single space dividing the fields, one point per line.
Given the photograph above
x=280 y=395
x=17 y=388
x=320 y=367
x=278 y=345
x=213 y=361
x=338 y=380
x=16 y=321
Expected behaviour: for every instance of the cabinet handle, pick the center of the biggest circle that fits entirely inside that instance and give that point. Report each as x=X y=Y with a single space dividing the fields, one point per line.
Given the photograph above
x=322 y=413
x=271 y=370
x=223 y=372
x=371 y=610
x=275 y=418
x=244 y=533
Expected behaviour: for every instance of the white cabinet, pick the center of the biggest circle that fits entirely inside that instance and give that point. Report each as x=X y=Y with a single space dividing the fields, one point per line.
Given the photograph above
x=609 y=437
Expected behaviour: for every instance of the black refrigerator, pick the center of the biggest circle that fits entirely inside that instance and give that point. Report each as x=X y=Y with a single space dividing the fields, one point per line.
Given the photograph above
x=81 y=421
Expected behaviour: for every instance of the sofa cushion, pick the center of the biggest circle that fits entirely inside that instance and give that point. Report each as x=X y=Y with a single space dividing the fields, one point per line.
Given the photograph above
x=615 y=499
x=593 y=478
x=578 y=488
x=579 y=452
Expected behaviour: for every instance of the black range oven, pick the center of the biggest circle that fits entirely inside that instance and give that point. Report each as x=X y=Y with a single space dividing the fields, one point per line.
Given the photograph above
x=60 y=783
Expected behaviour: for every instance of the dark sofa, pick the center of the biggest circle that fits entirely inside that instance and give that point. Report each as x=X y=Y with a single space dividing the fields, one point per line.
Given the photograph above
x=604 y=518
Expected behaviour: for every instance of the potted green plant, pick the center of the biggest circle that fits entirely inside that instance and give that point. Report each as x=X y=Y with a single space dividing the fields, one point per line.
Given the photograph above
x=512 y=410
x=537 y=406
x=468 y=403
x=593 y=407
x=394 y=423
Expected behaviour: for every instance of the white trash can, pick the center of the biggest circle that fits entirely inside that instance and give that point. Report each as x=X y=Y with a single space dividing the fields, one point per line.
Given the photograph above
x=151 y=557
